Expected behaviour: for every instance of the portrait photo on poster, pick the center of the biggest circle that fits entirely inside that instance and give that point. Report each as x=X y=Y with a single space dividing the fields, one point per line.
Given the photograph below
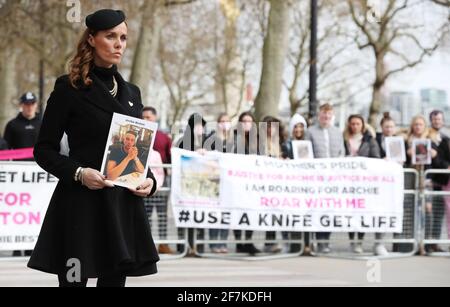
x=395 y=149
x=302 y=150
x=421 y=153
x=127 y=152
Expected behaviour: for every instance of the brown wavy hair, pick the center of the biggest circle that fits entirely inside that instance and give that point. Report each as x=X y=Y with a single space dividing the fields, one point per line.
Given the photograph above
x=82 y=62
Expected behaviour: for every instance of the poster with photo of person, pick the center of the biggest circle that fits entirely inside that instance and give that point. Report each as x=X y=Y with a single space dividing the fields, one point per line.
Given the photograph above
x=395 y=149
x=302 y=150
x=421 y=154
x=127 y=152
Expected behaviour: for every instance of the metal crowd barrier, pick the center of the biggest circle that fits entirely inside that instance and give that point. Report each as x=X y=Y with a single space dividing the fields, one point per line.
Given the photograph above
x=271 y=245
x=435 y=230
x=172 y=243
x=424 y=225
x=405 y=244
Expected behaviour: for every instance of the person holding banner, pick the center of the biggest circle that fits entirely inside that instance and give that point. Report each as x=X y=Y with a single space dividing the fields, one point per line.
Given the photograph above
x=298 y=129
x=92 y=229
x=221 y=142
x=274 y=139
x=328 y=142
x=360 y=143
x=194 y=139
x=246 y=143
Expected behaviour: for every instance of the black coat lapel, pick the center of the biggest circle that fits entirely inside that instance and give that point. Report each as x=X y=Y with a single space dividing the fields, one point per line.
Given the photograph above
x=99 y=95
x=129 y=97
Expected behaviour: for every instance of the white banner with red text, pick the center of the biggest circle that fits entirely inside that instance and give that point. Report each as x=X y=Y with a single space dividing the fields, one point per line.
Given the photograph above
x=25 y=193
x=228 y=191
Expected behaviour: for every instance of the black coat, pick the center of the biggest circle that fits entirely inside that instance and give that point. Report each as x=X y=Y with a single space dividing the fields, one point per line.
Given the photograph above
x=22 y=132
x=3 y=144
x=380 y=140
x=107 y=230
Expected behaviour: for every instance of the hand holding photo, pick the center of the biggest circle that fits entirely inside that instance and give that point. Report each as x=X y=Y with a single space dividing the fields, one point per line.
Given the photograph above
x=302 y=150
x=127 y=152
x=421 y=154
x=395 y=149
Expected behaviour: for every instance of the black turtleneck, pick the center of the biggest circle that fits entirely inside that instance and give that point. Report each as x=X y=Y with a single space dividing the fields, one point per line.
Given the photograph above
x=106 y=75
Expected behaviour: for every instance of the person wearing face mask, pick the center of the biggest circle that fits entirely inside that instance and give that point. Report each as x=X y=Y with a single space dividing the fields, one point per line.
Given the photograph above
x=245 y=142
x=328 y=142
x=101 y=229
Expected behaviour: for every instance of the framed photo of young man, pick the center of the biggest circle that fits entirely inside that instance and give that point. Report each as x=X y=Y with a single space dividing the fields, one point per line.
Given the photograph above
x=127 y=152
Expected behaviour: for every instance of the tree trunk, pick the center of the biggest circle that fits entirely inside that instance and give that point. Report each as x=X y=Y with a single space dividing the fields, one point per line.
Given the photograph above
x=377 y=97
x=274 y=55
x=147 y=47
x=7 y=87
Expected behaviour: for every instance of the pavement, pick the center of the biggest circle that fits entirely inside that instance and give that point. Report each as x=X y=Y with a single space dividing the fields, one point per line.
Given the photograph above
x=292 y=272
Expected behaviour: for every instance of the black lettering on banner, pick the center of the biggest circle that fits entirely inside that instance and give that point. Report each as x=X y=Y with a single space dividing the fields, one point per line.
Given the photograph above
x=244 y=220
x=226 y=216
x=325 y=221
x=263 y=220
x=212 y=218
x=393 y=221
x=198 y=219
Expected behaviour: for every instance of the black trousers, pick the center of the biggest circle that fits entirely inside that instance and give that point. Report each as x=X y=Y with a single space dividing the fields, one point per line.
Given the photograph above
x=103 y=282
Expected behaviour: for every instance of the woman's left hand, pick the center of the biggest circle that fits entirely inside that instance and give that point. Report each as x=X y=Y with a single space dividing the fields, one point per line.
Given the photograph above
x=144 y=189
x=434 y=153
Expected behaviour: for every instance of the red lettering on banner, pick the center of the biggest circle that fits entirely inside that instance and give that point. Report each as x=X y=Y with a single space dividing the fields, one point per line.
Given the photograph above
x=356 y=203
x=274 y=202
x=20 y=218
x=12 y=199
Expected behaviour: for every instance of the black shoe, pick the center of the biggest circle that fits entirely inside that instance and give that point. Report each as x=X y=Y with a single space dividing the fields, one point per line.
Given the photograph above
x=28 y=253
x=17 y=254
x=240 y=248
x=252 y=250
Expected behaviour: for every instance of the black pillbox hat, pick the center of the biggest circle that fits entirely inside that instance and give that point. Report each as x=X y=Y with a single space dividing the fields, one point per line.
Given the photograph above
x=105 y=19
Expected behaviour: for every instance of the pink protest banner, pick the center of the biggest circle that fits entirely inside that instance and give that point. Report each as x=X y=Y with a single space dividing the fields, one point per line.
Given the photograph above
x=17 y=154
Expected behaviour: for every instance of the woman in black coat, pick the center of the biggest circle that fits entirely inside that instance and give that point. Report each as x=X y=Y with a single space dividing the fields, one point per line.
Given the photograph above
x=92 y=229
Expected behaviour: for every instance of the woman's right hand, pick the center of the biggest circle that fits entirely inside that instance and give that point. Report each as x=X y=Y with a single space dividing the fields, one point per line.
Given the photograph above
x=94 y=180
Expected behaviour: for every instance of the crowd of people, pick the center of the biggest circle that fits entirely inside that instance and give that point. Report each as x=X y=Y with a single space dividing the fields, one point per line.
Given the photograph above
x=270 y=138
